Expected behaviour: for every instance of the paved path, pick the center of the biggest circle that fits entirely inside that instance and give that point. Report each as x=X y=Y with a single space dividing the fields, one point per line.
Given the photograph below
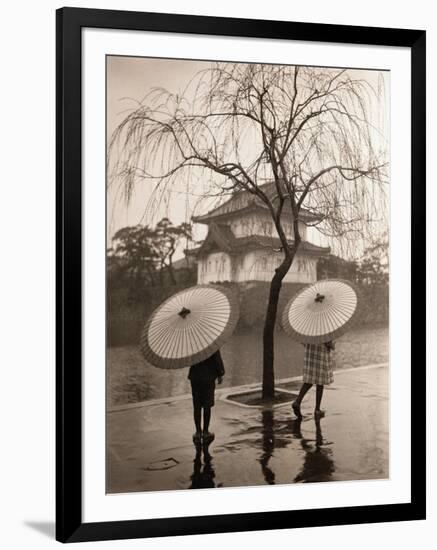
x=150 y=446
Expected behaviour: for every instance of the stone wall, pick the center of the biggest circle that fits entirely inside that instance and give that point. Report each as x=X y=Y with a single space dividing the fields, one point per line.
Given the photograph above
x=126 y=319
x=374 y=304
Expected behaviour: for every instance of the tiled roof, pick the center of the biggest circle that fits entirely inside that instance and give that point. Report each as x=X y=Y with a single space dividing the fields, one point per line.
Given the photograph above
x=243 y=201
x=223 y=237
x=275 y=243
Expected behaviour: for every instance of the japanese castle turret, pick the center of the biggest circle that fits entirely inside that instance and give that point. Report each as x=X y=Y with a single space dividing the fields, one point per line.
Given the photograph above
x=242 y=244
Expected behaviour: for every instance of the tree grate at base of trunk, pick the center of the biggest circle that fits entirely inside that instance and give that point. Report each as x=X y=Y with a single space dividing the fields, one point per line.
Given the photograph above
x=254 y=398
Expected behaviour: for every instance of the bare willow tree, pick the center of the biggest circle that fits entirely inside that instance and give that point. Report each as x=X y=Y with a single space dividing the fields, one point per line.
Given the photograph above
x=309 y=132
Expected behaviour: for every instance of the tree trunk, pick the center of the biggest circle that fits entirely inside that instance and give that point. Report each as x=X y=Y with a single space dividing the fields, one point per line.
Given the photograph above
x=170 y=270
x=268 y=388
x=151 y=276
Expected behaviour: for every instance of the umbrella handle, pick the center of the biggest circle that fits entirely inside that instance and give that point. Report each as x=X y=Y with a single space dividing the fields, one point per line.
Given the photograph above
x=319 y=298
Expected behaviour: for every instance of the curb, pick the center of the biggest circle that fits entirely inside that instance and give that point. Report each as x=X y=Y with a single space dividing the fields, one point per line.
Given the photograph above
x=223 y=392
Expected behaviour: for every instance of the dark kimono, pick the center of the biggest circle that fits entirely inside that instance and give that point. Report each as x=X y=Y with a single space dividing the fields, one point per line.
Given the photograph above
x=202 y=376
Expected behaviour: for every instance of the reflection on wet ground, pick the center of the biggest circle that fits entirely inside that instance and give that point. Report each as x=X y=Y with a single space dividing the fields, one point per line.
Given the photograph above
x=150 y=447
x=317 y=462
x=268 y=445
x=203 y=472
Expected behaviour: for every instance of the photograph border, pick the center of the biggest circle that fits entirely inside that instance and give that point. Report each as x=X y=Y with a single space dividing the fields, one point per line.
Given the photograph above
x=69 y=292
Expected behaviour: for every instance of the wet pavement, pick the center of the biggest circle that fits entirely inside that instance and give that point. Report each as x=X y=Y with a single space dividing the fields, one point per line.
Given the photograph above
x=150 y=444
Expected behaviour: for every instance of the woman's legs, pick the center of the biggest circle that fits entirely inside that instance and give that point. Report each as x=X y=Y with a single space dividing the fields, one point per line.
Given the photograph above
x=206 y=418
x=296 y=403
x=207 y=435
x=319 y=395
x=198 y=418
x=303 y=391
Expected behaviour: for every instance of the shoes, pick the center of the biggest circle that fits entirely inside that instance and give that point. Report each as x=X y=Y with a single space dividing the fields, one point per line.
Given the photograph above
x=319 y=414
x=208 y=437
x=197 y=437
x=296 y=409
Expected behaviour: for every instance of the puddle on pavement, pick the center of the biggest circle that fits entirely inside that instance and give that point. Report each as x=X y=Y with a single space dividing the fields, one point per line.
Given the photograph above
x=165 y=464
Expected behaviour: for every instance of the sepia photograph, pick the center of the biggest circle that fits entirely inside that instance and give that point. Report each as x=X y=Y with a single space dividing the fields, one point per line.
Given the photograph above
x=247 y=274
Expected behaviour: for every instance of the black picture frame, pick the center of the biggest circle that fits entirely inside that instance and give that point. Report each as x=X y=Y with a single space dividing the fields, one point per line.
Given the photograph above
x=69 y=524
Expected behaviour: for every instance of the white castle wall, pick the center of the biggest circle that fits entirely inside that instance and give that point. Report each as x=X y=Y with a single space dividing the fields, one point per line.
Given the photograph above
x=257 y=265
x=262 y=224
x=214 y=267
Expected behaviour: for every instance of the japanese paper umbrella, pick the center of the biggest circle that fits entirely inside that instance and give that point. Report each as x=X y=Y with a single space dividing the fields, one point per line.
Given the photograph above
x=189 y=326
x=321 y=312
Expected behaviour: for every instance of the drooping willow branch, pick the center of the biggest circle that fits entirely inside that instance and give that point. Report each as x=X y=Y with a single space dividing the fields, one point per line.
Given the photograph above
x=312 y=132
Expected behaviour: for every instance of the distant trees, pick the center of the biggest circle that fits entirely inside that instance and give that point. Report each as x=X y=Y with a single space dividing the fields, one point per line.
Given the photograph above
x=334 y=267
x=167 y=238
x=373 y=265
x=370 y=269
x=142 y=256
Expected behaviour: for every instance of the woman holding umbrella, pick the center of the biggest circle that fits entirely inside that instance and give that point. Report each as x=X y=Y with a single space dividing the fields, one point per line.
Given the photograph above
x=317 y=369
x=202 y=376
x=315 y=316
x=187 y=330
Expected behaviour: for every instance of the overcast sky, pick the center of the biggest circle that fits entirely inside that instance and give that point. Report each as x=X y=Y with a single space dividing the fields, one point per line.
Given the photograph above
x=129 y=79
